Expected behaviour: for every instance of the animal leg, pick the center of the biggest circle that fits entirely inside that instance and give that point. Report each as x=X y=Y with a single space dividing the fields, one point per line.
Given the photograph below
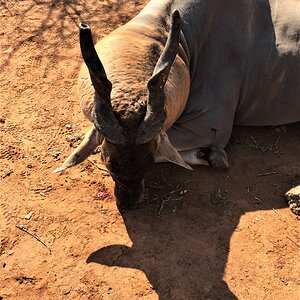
x=91 y=140
x=215 y=157
x=293 y=198
x=217 y=104
x=190 y=157
x=194 y=157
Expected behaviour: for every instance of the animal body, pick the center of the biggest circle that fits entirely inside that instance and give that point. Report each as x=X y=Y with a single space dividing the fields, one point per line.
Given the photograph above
x=170 y=84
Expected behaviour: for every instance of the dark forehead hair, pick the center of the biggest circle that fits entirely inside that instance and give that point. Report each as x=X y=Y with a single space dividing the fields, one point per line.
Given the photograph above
x=131 y=161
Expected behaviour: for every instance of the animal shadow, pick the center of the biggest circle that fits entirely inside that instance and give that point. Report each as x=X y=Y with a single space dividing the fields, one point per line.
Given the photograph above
x=183 y=246
x=182 y=257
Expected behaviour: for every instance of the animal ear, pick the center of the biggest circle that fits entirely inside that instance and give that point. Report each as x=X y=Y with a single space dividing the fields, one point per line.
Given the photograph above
x=91 y=140
x=155 y=115
x=166 y=149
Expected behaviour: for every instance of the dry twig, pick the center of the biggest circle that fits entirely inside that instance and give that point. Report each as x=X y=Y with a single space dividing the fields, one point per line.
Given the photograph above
x=33 y=234
x=258 y=199
x=167 y=200
x=272 y=148
x=293 y=242
x=177 y=194
x=267 y=173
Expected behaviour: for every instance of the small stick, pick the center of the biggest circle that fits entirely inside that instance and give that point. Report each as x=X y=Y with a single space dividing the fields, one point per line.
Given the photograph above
x=173 y=199
x=267 y=173
x=250 y=146
x=157 y=187
x=33 y=234
x=172 y=192
x=272 y=148
x=94 y=164
x=255 y=143
x=188 y=181
x=167 y=200
x=293 y=242
x=161 y=208
x=276 y=147
x=259 y=200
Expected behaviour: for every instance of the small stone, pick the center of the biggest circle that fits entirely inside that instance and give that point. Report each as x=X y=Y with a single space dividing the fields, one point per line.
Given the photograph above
x=28 y=216
x=102 y=195
x=2 y=120
x=7 y=173
x=68 y=126
x=56 y=155
x=293 y=205
x=66 y=292
x=183 y=192
x=10 y=252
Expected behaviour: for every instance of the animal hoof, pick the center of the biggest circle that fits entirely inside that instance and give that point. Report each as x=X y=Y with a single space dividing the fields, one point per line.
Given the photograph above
x=293 y=198
x=218 y=158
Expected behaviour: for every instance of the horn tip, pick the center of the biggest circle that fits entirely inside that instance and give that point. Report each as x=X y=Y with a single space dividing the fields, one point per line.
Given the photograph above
x=84 y=26
x=176 y=15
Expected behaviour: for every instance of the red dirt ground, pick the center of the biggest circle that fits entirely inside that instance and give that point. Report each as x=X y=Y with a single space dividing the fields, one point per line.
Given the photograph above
x=230 y=237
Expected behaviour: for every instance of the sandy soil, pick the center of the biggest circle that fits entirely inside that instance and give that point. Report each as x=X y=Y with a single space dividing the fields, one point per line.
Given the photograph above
x=230 y=236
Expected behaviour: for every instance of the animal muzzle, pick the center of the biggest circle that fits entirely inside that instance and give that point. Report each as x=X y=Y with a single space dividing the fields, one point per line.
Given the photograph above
x=130 y=194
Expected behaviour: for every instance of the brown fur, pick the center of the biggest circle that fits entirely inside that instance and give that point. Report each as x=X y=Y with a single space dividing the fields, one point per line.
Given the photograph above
x=129 y=60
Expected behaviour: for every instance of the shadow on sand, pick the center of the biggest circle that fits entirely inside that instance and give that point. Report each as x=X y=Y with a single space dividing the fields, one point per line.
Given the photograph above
x=184 y=250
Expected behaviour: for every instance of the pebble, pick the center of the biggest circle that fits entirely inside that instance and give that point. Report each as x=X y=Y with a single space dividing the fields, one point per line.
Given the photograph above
x=56 y=155
x=66 y=292
x=183 y=192
x=28 y=216
x=293 y=205
x=73 y=138
x=10 y=252
x=102 y=194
